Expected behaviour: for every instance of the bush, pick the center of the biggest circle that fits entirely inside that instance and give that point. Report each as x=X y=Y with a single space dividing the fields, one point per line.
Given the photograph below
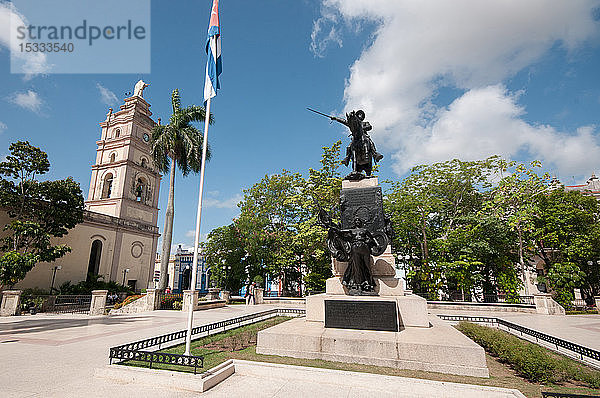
x=258 y=280
x=531 y=361
x=94 y=282
x=128 y=299
x=178 y=305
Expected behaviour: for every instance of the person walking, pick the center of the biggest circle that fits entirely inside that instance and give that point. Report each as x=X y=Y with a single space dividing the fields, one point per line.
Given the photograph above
x=251 y=290
x=247 y=295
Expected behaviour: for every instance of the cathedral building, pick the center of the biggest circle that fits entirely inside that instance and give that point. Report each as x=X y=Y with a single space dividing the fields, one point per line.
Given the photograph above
x=118 y=237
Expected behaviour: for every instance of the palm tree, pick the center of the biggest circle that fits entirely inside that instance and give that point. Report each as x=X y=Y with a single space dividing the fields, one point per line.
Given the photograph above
x=176 y=144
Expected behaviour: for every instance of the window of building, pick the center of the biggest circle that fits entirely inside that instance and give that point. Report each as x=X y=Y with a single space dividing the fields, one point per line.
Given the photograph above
x=107 y=186
x=143 y=162
x=117 y=133
x=95 y=254
x=113 y=158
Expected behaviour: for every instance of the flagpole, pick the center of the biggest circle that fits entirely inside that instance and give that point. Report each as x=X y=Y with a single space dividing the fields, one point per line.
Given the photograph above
x=188 y=335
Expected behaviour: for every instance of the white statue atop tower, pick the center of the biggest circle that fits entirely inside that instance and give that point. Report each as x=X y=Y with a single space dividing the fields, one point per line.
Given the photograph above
x=138 y=90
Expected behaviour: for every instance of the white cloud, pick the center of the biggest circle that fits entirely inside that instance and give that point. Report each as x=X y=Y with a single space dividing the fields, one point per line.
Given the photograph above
x=33 y=63
x=2 y=127
x=470 y=45
x=28 y=99
x=213 y=201
x=107 y=97
x=486 y=121
x=324 y=33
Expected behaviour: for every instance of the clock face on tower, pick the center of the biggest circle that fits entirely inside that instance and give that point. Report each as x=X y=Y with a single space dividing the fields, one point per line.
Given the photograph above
x=146 y=137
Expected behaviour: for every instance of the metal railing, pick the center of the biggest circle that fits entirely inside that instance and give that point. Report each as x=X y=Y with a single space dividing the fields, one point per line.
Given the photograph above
x=79 y=303
x=565 y=395
x=166 y=300
x=61 y=304
x=578 y=350
x=458 y=297
x=579 y=304
x=157 y=357
x=137 y=349
x=502 y=298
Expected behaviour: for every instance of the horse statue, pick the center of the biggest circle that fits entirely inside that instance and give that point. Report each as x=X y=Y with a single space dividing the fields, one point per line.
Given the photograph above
x=361 y=151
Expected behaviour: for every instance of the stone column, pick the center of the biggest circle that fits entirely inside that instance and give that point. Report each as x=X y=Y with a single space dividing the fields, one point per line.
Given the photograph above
x=190 y=297
x=597 y=299
x=226 y=296
x=152 y=296
x=213 y=293
x=98 y=302
x=258 y=296
x=11 y=303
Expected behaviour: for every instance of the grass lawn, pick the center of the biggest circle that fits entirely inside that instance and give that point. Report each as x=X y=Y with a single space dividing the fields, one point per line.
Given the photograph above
x=240 y=343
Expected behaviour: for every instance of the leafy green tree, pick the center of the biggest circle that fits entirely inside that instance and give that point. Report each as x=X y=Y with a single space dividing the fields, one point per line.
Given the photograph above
x=226 y=257
x=266 y=222
x=482 y=248
x=427 y=208
x=562 y=278
x=567 y=231
x=39 y=211
x=515 y=201
x=321 y=188
x=176 y=144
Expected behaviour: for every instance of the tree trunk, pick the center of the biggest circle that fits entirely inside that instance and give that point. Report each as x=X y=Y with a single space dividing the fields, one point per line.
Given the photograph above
x=167 y=231
x=522 y=261
x=424 y=233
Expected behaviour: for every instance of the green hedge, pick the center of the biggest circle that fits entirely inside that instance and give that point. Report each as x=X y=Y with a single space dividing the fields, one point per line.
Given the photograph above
x=530 y=361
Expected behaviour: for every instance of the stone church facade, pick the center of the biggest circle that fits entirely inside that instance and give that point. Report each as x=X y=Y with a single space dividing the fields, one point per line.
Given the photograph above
x=119 y=234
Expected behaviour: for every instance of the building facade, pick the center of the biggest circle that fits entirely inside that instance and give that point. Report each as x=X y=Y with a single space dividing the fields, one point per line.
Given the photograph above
x=118 y=237
x=180 y=271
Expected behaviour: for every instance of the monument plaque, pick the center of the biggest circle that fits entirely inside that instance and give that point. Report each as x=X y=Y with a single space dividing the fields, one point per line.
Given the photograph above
x=363 y=203
x=361 y=314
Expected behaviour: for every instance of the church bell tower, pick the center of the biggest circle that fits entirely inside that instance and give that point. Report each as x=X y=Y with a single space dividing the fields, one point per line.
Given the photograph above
x=124 y=182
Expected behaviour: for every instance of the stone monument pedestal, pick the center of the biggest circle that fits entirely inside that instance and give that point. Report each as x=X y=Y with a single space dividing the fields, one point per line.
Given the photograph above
x=421 y=341
x=387 y=327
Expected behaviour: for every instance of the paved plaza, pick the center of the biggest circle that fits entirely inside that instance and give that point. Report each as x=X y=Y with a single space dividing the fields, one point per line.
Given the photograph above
x=56 y=355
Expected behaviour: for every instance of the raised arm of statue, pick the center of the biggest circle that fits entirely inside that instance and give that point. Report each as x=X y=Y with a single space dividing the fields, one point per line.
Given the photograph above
x=367 y=126
x=337 y=119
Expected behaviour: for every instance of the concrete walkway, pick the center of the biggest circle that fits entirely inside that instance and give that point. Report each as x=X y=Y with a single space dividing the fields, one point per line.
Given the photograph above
x=56 y=355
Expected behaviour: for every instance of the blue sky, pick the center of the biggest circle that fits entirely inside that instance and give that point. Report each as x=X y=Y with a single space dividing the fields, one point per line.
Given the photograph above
x=437 y=80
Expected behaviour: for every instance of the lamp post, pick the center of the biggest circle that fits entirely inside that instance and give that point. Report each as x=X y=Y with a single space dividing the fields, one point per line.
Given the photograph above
x=125 y=271
x=56 y=268
x=226 y=268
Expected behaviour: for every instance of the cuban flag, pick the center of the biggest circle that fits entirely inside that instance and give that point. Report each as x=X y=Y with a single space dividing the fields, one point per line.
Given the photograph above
x=213 y=50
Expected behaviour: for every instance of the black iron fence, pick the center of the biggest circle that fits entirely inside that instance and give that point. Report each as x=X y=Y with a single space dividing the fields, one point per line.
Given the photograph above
x=136 y=351
x=579 y=304
x=61 y=304
x=576 y=349
x=71 y=304
x=157 y=357
x=166 y=300
x=485 y=298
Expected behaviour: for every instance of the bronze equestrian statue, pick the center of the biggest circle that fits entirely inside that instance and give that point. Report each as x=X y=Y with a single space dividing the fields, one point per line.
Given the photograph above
x=361 y=150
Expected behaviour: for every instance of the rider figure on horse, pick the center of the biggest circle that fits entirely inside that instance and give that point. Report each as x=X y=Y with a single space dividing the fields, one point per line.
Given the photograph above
x=362 y=148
